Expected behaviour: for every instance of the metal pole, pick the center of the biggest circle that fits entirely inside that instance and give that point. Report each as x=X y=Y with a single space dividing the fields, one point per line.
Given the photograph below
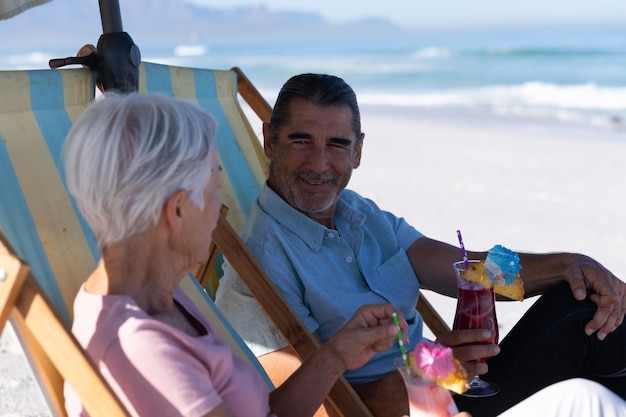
x=117 y=57
x=110 y=16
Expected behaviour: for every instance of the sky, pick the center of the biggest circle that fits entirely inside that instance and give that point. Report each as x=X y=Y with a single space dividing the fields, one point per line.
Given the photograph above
x=432 y=14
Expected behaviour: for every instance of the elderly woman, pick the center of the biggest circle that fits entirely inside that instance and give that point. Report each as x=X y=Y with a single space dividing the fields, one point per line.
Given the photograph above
x=144 y=172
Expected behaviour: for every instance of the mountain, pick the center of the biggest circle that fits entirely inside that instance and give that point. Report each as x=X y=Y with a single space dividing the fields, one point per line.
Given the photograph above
x=173 y=21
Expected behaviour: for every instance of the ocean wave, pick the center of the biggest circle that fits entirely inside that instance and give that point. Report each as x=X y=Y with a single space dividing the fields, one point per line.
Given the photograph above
x=432 y=52
x=548 y=52
x=586 y=103
x=331 y=64
x=35 y=59
x=190 y=50
x=585 y=96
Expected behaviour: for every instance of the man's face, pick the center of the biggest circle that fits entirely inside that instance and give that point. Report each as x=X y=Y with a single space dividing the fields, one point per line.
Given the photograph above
x=313 y=157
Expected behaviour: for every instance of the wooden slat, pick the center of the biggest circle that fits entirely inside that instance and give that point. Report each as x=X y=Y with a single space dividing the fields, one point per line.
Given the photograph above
x=432 y=319
x=206 y=274
x=48 y=377
x=12 y=277
x=66 y=354
x=49 y=341
x=252 y=96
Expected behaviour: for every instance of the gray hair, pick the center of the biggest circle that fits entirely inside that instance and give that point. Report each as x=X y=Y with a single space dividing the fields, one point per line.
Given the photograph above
x=319 y=89
x=127 y=154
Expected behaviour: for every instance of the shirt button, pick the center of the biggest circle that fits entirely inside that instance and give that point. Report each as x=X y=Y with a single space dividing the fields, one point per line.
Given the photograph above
x=331 y=235
x=349 y=259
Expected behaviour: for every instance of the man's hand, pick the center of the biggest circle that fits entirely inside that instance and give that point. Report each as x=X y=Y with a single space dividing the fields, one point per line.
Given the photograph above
x=609 y=294
x=470 y=345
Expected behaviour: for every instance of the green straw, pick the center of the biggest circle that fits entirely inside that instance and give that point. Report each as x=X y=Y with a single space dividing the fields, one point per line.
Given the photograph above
x=405 y=359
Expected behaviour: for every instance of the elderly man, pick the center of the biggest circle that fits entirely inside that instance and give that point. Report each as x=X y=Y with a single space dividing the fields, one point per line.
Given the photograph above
x=329 y=251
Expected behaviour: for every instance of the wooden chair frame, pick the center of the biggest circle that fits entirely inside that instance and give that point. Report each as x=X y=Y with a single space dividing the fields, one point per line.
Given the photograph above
x=342 y=397
x=55 y=353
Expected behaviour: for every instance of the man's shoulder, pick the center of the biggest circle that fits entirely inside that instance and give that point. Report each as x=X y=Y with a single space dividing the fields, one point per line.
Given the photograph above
x=258 y=224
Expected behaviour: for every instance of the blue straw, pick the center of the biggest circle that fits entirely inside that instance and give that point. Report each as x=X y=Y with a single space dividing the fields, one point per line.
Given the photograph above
x=405 y=359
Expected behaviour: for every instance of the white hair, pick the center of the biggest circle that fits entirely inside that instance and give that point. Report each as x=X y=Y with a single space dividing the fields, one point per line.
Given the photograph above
x=127 y=154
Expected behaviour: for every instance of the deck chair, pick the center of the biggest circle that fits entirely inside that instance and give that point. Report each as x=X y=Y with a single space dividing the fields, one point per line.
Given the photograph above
x=36 y=213
x=245 y=170
x=48 y=340
x=343 y=399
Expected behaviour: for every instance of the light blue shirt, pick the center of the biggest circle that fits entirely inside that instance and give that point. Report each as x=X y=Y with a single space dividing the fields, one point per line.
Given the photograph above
x=326 y=274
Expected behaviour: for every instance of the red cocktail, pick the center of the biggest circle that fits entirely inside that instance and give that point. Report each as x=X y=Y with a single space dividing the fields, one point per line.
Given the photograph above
x=475 y=309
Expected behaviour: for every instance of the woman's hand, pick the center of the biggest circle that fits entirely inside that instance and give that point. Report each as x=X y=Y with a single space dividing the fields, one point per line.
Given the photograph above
x=370 y=330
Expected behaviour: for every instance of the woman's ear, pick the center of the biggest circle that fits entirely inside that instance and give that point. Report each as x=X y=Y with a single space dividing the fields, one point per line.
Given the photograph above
x=174 y=210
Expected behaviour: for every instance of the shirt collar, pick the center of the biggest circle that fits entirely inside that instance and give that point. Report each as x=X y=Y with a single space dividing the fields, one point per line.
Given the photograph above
x=311 y=232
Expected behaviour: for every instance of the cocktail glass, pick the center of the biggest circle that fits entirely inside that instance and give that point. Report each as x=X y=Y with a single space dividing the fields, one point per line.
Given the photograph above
x=475 y=309
x=426 y=399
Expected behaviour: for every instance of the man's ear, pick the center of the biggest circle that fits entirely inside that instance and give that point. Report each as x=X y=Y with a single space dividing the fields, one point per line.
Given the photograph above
x=174 y=210
x=268 y=143
x=357 y=153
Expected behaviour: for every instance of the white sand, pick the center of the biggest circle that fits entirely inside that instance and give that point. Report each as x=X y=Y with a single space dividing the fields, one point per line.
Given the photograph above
x=19 y=394
x=531 y=187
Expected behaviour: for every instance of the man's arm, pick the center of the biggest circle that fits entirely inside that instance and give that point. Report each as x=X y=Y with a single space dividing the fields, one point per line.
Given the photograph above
x=432 y=261
x=280 y=364
x=583 y=273
x=369 y=331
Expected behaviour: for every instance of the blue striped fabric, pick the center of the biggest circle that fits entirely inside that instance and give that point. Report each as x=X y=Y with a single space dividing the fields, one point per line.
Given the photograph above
x=15 y=219
x=201 y=85
x=48 y=106
x=37 y=215
x=34 y=121
x=245 y=185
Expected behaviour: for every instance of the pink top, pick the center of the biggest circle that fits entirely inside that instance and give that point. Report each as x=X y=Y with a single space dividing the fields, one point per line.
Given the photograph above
x=157 y=370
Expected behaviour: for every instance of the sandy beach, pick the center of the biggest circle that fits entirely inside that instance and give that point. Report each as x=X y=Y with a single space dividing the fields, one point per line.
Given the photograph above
x=530 y=186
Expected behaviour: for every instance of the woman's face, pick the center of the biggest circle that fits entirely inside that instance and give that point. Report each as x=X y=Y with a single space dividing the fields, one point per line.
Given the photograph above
x=200 y=225
x=212 y=203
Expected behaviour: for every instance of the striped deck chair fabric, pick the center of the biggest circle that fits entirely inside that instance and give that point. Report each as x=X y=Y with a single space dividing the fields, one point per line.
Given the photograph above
x=241 y=156
x=245 y=169
x=242 y=159
x=56 y=355
x=37 y=109
x=38 y=216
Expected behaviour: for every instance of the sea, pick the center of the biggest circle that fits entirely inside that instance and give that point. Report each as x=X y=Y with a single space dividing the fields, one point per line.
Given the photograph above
x=574 y=76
